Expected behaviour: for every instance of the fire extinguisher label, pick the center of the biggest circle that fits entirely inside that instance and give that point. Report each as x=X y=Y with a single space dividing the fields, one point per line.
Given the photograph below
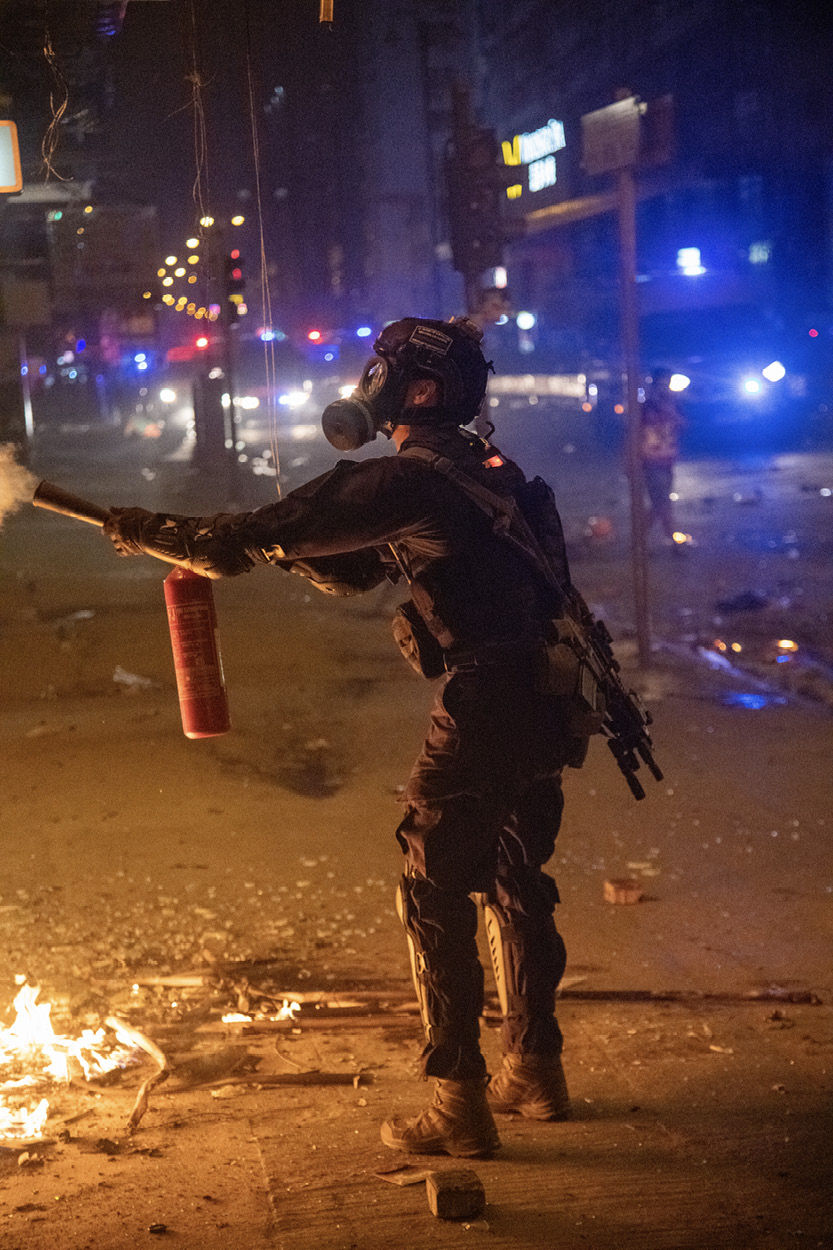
x=196 y=655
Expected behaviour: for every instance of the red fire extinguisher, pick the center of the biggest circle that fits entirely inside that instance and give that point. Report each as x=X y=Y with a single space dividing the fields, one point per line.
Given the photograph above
x=192 y=621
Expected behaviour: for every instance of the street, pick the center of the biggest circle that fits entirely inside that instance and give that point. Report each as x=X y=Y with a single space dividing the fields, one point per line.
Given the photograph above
x=698 y=1022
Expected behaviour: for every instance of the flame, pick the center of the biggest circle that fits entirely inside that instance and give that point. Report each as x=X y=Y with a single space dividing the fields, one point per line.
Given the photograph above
x=32 y=1055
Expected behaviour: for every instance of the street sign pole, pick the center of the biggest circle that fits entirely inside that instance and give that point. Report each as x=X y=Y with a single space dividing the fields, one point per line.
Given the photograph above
x=611 y=144
x=626 y=190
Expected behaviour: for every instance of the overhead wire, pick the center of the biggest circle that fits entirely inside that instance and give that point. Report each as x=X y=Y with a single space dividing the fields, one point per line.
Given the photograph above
x=57 y=106
x=269 y=352
x=200 y=189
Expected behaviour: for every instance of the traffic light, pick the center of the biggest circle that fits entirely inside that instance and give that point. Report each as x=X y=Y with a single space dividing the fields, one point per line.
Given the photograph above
x=475 y=187
x=234 y=286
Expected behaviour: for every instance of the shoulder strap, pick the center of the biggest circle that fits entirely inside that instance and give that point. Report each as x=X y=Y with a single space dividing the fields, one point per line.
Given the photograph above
x=507 y=518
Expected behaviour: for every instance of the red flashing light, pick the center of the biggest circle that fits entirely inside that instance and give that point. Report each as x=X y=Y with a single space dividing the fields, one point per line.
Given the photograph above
x=314 y=336
x=237 y=274
x=235 y=253
x=201 y=342
x=814 y=334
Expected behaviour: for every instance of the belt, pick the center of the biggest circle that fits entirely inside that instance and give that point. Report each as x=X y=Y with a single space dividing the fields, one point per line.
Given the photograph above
x=467 y=659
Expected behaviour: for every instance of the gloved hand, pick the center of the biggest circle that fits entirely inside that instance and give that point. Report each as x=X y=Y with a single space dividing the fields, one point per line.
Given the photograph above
x=124 y=528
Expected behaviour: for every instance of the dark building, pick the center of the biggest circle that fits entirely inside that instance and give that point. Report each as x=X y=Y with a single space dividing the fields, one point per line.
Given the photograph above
x=734 y=228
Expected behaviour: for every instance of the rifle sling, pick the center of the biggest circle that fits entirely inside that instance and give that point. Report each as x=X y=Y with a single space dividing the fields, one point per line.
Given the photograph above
x=504 y=512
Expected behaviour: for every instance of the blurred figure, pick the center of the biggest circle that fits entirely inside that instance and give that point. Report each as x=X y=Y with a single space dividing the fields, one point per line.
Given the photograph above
x=492 y=307
x=661 y=425
x=492 y=304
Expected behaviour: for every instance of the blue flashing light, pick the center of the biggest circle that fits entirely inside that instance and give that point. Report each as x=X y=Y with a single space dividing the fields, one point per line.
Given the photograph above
x=142 y=364
x=140 y=358
x=24 y=371
x=364 y=332
x=754 y=702
x=688 y=261
x=42 y=370
x=329 y=356
x=73 y=373
x=80 y=344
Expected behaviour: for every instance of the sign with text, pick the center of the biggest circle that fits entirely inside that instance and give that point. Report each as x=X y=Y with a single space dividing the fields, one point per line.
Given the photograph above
x=537 y=151
x=610 y=137
x=11 y=178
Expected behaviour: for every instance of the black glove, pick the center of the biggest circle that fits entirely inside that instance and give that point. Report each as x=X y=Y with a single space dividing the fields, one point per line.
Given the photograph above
x=124 y=529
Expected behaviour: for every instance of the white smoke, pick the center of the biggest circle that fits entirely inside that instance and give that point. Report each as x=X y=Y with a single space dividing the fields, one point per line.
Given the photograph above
x=17 y=484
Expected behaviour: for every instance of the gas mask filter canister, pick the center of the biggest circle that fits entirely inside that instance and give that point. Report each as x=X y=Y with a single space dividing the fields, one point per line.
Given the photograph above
x=350 y=423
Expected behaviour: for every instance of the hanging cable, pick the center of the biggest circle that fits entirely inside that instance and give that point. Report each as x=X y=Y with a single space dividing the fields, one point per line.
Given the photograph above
x=196 y=81
x=57 y=107
x=269 y=355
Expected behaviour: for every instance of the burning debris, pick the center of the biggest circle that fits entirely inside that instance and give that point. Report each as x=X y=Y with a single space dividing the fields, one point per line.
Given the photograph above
x=34 y=1059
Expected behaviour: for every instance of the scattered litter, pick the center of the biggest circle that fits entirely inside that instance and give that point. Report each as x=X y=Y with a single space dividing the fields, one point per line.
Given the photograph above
x=43 y=729
x=83 y=614
x=721 y=1050
x=622 y=890
x=123 y=678
x=403 y=1174
x=29 y=1160
x=777 y=1020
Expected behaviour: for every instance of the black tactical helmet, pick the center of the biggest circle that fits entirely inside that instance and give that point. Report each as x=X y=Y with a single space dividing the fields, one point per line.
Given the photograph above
x=447 y=351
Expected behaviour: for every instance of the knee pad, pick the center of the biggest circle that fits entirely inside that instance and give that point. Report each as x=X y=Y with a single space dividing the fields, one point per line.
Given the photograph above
x=505 y=953
x=416 y=953
x=527 y=956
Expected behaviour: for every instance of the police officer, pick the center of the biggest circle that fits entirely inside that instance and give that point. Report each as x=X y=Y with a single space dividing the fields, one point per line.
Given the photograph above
x=483 y=803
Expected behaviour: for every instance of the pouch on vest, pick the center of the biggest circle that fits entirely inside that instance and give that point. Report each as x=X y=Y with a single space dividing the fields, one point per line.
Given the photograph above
x=416 y=642
x=569 y=677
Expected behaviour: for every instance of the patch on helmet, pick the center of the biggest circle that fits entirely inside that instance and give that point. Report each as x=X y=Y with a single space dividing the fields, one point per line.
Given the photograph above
x=434 y=340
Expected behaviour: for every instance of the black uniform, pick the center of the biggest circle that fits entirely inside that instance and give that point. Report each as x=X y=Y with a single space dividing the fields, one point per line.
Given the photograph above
x=483 y=802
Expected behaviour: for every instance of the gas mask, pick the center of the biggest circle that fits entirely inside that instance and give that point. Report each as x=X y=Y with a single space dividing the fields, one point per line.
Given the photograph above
x=372 y=408
x=446 y=351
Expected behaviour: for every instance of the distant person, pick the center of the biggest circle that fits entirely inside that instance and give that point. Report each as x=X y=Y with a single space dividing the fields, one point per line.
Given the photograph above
x=660 y=428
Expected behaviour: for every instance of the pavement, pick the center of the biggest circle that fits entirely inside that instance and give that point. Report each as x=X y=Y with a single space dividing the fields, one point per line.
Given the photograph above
x=699 y=1046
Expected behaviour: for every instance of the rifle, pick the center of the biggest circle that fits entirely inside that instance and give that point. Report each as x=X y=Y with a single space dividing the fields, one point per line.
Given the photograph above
x=619 y=713
x=626 y=720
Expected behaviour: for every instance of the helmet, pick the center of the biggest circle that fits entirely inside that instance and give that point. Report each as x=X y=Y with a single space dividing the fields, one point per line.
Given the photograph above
x=447 y=351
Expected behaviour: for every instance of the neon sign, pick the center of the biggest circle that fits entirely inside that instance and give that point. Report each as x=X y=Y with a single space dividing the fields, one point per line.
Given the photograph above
x=535 y=149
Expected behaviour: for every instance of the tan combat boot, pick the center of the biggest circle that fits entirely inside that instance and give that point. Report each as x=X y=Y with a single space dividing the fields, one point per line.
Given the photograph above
x=531 y=1086
x=458 y=1122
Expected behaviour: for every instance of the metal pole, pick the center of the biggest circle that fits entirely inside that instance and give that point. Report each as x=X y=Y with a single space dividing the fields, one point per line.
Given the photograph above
x=26 y=391
x=630 y=341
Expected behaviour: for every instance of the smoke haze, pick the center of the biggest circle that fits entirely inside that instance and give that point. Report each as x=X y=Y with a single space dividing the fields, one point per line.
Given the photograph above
x=17 y=485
